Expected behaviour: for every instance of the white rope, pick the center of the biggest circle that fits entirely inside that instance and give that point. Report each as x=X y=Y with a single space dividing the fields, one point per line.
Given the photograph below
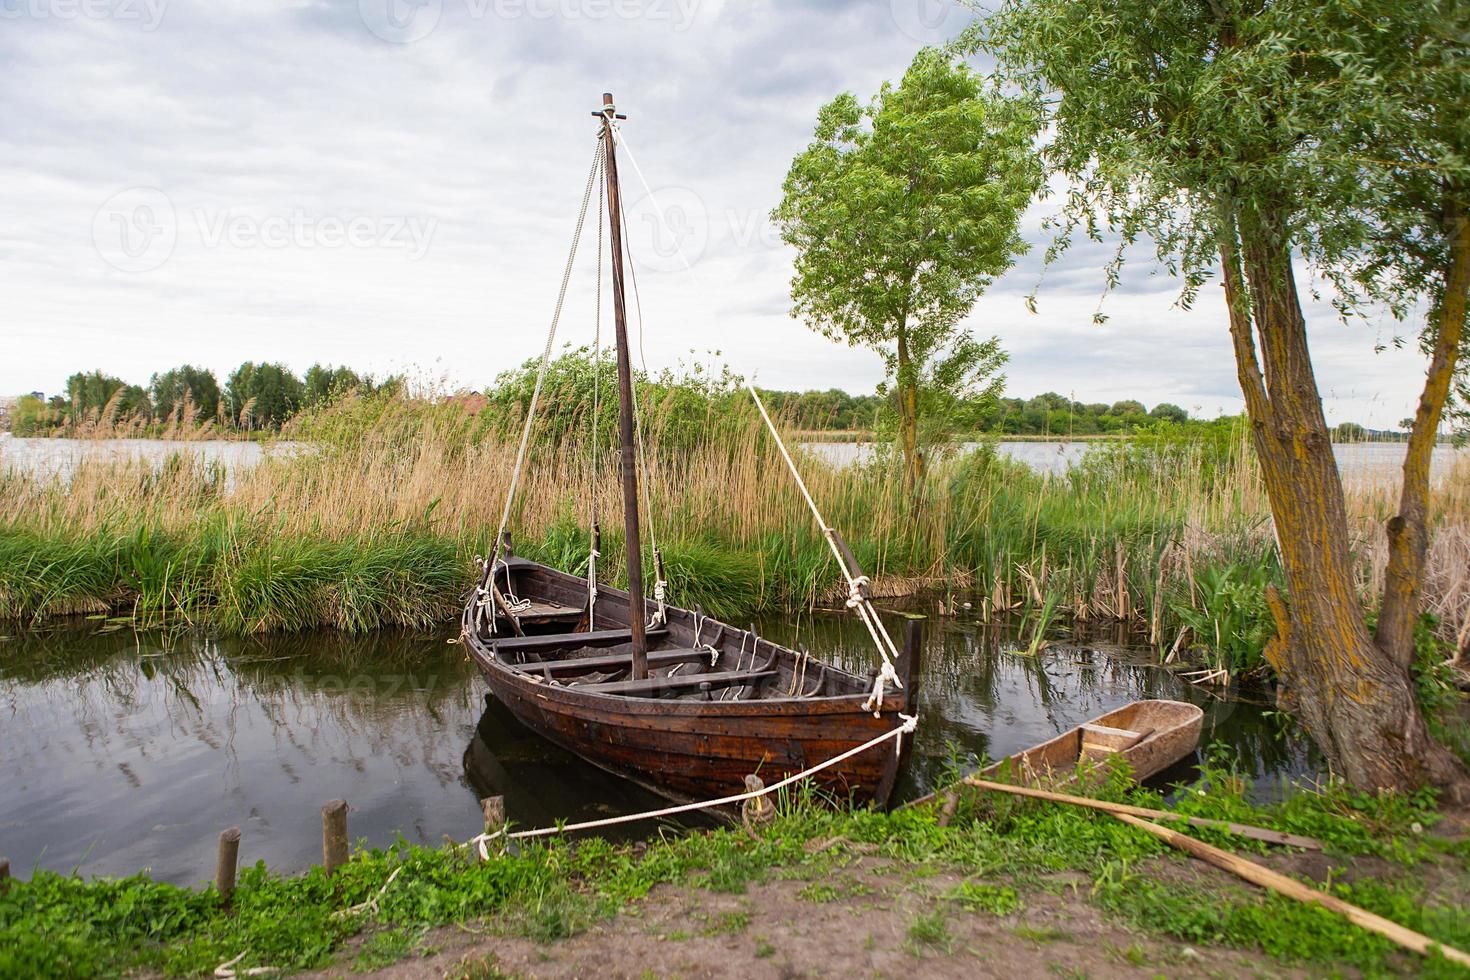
x=227 y=971
x=566 y=277
x=857 y=599
x=593 y=531
x=660 y=587
x=909 y=724
x=622 y=141
x=371 y=905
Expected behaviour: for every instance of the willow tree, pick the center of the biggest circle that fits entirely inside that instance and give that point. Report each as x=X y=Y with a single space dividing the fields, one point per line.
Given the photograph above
x=902 y=212
x=1243 y=136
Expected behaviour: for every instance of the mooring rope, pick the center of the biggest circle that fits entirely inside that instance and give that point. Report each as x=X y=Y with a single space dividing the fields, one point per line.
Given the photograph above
x=909 y=724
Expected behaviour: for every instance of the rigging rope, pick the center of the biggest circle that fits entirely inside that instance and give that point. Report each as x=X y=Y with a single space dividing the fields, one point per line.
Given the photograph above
x=857 y=585
x=487 y=582
x=594 y=536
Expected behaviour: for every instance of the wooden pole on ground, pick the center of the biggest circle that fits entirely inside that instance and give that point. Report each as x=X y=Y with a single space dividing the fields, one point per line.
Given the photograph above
x=1290 y=887
x=334 y=835
x=4 y=873
x=226 y=862
x=1243 y=830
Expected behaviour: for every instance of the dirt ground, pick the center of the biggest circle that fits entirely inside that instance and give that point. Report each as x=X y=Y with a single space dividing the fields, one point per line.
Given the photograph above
x=777 y=929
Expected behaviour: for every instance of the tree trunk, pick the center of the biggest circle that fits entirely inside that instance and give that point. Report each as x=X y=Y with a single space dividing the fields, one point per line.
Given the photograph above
x=1355 y=701
x=908 y=418
x=1408 y=531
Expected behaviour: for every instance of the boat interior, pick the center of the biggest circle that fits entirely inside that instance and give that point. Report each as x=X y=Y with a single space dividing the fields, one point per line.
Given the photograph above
x=546 y=629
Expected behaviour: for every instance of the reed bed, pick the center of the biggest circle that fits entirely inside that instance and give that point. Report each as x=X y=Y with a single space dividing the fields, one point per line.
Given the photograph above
x=379 y=522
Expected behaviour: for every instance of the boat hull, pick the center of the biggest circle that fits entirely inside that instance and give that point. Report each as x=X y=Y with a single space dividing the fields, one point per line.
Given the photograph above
x=694 y=749
x=704 y=750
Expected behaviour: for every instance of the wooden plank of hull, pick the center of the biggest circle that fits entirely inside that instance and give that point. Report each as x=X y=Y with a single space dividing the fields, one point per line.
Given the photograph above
x=703 y=757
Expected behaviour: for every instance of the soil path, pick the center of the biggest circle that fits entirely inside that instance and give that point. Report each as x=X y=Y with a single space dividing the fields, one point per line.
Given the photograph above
x=867 y=920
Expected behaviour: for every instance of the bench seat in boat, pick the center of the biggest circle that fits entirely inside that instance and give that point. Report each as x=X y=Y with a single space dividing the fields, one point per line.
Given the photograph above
x=654 y=685
x=555 y=641
x=613 y=661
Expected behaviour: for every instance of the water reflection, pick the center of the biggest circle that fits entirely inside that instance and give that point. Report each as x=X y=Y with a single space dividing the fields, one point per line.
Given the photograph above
x=126 y=750
x=981 y=697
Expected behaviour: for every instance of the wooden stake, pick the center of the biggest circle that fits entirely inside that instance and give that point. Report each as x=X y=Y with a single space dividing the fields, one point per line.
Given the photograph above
x=493 y=807
x=1243 y=830
x=226 y=862
x=334 y=835
x=4 y=873
x=1290 y=887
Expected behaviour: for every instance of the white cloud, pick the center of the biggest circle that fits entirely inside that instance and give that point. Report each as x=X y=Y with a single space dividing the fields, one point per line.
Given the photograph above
x=274 y=117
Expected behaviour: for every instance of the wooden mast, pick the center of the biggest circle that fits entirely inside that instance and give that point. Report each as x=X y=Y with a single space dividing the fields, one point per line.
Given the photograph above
x=636 y=615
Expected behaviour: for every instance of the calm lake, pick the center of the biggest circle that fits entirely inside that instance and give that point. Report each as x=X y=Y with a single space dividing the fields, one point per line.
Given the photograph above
x=1369 y=461
x=1363 y=461
x=126 y=750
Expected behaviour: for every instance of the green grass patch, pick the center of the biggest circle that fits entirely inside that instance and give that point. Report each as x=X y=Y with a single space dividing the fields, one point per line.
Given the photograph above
x=64 y=926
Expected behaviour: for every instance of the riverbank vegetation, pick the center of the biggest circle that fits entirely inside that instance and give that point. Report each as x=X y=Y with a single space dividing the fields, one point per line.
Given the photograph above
x=377 y=522
x=1001 y=860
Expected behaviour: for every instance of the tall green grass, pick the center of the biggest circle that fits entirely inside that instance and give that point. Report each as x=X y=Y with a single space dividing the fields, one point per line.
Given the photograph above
x=378 y=523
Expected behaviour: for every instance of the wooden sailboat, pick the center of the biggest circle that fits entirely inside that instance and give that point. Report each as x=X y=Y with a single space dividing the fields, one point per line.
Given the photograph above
x=681 y=703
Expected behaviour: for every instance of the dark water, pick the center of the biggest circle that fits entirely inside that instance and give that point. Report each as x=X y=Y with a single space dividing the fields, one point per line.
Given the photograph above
x=122 y=750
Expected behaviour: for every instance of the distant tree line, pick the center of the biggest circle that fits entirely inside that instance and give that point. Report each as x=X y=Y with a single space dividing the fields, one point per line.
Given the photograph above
x=263 y=396
x=1045 y=414
x=256 y=396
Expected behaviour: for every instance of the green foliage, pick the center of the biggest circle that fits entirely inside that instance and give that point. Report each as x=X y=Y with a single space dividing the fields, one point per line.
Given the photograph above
x=981 y=896
x=1224 y=606
x=1435 y=684
x=902 y=212
x=94 y=395
x=263 y=395
x=187 y=385
x=681 y=409
x=322 y=384
x=930 y=932
x=32 y=416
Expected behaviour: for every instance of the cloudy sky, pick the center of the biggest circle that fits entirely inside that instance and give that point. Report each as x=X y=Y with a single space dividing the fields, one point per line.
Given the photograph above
x=392 y=184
